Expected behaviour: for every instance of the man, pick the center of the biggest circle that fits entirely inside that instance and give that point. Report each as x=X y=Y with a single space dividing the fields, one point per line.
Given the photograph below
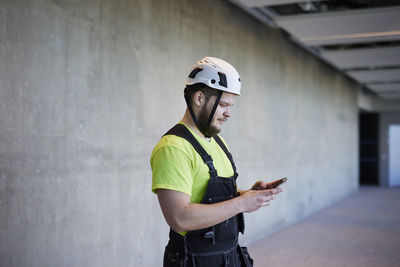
x=194 y=175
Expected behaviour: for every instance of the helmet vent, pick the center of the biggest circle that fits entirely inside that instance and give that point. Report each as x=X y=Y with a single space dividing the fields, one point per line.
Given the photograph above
x=222 y=80
x=212 y=81
x=194 y=72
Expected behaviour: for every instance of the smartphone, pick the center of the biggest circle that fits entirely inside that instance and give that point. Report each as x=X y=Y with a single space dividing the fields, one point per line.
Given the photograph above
x=276 y=183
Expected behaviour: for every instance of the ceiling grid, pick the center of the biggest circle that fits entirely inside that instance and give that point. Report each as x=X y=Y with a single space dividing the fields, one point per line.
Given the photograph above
x=361 y=38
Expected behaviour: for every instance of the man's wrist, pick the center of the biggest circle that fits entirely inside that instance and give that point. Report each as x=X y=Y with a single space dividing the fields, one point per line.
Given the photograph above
x=238 y=204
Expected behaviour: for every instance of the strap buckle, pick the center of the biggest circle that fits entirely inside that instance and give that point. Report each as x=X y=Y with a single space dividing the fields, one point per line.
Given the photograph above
x=209 y=161
x=213 y=173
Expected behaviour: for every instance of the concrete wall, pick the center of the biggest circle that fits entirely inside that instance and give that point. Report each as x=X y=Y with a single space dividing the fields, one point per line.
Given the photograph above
x=385 y=120
x=88 y=87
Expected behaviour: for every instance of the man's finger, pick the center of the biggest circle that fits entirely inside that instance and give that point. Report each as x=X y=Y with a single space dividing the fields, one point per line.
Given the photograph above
x=267 y=198
x=266 y=203
x=279 y=189
x=269 y=192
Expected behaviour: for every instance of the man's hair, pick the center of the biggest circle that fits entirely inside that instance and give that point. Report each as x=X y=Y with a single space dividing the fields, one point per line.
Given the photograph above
x=208 y=92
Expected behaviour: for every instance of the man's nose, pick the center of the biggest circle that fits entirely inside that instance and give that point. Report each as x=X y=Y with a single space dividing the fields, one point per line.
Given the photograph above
x=227 y=113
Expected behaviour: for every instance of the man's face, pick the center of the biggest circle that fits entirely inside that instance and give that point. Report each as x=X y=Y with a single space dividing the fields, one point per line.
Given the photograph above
x=221 y=115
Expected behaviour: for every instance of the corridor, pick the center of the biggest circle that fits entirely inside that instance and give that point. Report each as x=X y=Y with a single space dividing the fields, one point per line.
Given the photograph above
x=361 y=230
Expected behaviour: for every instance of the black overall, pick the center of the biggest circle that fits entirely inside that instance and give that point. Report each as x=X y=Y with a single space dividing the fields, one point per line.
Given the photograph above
x=215 y=246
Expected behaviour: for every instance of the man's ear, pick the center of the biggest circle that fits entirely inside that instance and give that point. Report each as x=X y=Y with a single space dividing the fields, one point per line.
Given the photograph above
x=199 y=98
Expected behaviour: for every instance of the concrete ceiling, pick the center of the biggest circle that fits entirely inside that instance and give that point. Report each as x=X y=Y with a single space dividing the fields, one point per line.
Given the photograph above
x=361 y=38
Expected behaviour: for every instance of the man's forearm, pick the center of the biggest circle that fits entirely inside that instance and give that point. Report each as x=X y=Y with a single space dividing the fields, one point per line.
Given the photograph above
x=197 y=216
x=181 y=215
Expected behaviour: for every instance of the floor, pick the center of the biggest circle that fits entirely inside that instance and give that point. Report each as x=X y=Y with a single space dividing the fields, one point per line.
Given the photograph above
x=361 y=230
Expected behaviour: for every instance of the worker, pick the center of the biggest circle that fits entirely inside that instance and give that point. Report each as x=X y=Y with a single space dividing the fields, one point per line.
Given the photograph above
x=194 y=175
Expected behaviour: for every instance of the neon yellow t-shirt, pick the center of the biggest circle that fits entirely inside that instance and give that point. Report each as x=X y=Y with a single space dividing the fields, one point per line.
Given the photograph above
x=176 y=165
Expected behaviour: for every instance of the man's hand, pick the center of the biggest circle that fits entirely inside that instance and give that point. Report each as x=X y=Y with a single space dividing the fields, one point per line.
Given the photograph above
x=259 y=185
x=252 y=200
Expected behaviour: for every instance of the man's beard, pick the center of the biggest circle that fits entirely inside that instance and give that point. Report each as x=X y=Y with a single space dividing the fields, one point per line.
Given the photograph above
x=207 y=130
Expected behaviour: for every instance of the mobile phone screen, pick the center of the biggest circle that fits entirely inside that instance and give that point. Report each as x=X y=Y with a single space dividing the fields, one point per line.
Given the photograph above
x=277 y=183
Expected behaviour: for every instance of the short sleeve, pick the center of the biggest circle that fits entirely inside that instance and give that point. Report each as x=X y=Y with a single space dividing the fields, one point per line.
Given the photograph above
x=172 y=169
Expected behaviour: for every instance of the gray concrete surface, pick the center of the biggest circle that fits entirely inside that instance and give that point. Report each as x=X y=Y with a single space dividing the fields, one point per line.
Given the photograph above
x=362 y=230
x=88 y=87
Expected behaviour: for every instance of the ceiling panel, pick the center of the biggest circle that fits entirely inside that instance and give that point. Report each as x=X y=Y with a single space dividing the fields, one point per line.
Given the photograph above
x=366 y=57
x=368 y=76
x=385 y=87
x=390 y=96
x=344 y=27
x=260 y=3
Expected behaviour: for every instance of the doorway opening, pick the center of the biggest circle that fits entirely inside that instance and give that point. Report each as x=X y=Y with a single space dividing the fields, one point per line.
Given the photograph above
x=369 y=148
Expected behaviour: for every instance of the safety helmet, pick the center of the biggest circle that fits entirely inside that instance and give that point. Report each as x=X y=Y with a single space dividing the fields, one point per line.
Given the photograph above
x=215 y=73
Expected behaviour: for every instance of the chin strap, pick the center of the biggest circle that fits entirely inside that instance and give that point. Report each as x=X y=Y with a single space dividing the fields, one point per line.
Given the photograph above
x=213 y=111
x=191 y=110
x=205 y=131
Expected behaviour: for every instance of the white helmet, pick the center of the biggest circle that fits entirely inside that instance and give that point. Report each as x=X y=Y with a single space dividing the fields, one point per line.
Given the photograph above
x=215 y=73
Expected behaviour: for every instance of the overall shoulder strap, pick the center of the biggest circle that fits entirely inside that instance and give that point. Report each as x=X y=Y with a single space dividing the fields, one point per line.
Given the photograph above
x=181 y=131
x=225 y=149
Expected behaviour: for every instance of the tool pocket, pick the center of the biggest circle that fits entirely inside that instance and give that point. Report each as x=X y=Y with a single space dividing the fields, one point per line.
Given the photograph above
x=172 y=258
x=220 y=260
